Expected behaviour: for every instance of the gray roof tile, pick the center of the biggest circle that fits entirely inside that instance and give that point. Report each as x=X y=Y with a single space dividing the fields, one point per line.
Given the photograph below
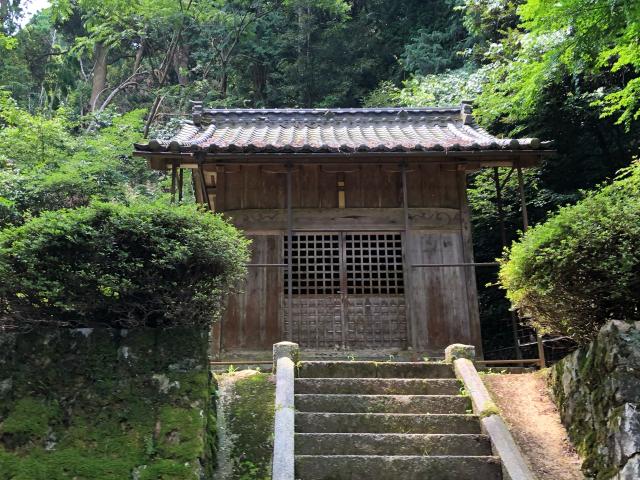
x=335 y=130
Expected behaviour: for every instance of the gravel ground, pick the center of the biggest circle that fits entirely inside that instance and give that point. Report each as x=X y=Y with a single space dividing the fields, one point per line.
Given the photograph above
x=535 y=424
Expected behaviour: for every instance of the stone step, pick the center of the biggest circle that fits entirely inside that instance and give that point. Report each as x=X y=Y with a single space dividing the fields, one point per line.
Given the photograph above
x=374 y=370
x=307 y=422
x=391 y=444
x=378 y=467
x=382 y=403
x=379 y=386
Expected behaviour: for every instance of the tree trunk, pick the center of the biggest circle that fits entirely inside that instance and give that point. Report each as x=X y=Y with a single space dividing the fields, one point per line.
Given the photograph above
x=99 y=80
x=4 y=14
x=224 y=83
x=139 y=55
x=181 y=63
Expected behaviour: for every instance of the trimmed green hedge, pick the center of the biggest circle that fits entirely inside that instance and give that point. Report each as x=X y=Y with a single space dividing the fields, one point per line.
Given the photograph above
x=146 y=264
x=581 y=267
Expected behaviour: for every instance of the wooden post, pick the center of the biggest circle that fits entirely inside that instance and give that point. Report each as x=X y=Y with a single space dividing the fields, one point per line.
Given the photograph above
x=467 y=256
x=290 y=246
x=503 y=242
x=203 y=184
x=407 y=268
x=525 y=224
x=174 y=169
x=523 y=201
x=180 y=184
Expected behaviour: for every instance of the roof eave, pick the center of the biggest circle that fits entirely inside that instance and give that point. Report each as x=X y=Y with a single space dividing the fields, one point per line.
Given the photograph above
x=485 y=158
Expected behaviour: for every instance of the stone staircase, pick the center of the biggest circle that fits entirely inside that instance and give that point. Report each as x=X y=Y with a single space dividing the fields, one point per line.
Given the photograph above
x=387 y=420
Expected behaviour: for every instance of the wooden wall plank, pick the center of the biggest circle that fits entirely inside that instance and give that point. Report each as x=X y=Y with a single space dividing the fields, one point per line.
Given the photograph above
x=274 y=189
x=328 y=189
x=274 y=279
x=309 y=184
x=221 y=185
x=449 y=189
x=371 y=186
x=390 y=189
x=414 y=186
x=353 y=188
x=431 y=192
x=439 y=312
x=253 y=195
x=234 y=188
x=251 y=320
x=454 y=303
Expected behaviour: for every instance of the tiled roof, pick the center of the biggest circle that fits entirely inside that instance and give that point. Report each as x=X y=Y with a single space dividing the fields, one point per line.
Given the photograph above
x=335 y=130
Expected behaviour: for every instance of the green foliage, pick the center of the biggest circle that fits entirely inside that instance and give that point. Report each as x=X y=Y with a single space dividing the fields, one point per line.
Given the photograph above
x=595 y=46
x=47 y=167
x=581 y=267
x=446 y=89
x=147 y=264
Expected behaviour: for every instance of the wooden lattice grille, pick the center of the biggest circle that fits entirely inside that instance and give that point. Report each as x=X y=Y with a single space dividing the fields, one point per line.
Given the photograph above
x=347 y=290
x=374 y=264
x=315 y=264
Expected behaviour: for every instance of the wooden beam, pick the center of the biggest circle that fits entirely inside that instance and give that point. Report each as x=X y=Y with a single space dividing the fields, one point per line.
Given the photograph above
x=340 y=219
x=474 y=159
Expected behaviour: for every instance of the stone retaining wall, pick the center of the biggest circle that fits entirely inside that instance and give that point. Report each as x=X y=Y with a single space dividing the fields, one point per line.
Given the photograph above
x=597 y=390
x=104 y=404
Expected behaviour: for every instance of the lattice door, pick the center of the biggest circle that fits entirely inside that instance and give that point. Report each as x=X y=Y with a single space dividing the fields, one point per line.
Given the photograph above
x=347 y=290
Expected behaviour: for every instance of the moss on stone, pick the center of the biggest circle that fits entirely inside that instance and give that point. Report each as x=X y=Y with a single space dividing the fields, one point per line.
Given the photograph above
x=250 y=421
x=29 y=421
x=593 y=389
x=82 y=406
x=181 y=432
x=490 y=408
x=168 y=470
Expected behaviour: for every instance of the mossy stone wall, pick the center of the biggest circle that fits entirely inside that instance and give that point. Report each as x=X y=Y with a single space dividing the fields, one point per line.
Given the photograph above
x=597 y=390
x=246 y=412
x=106 y=404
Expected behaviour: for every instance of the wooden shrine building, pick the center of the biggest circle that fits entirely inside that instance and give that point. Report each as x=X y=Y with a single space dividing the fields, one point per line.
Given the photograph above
x=358 y=217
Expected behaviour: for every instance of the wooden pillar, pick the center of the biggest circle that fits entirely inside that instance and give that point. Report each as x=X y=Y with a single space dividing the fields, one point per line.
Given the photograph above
x=180 y=184
x=411 y=340
x=523 y=201
x=467 y=256
x=174 y=169
x=203 y=183
x=290 y=246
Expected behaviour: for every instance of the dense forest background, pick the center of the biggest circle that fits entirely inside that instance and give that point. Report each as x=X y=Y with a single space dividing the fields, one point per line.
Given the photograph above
x=83 y=79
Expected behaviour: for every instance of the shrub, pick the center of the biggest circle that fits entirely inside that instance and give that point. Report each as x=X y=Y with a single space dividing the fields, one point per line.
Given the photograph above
x=146 y=264
x=581 y=267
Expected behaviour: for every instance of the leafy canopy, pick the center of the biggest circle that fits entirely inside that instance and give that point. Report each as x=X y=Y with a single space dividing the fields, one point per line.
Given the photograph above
x=594 y=43
x=150 y=264
x=581 y=268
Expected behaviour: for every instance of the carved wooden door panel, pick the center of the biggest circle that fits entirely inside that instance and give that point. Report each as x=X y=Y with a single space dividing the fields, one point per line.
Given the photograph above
x=347 y=291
